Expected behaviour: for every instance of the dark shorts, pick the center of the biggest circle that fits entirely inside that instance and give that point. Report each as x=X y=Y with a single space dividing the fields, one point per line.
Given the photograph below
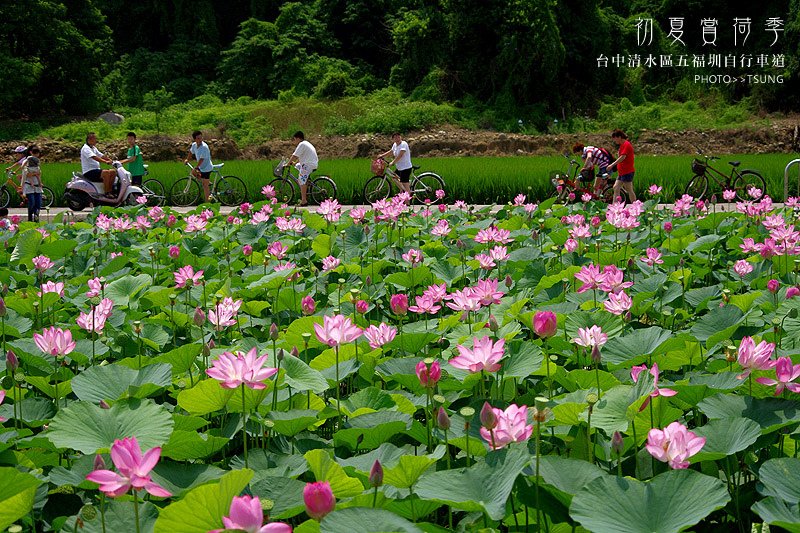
x=626 y=177
x=404 y=175
x=95 y=175
x=136 y=180
x=205 y=175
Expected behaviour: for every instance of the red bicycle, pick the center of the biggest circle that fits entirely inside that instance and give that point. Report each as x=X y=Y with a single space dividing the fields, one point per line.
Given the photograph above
x=572 y=185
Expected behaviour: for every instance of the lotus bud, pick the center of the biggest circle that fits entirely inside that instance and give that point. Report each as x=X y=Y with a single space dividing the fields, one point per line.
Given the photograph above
x=319 y=500
x=399 y=304
x=596 y=354
x=460 y=244
x=362 y=306
x=668 y=227
x=368 y=280
x=12 y=363
x=99 y=463
x=492 y=324
x=376 y=474
x=488 y=418
x=545 y=324
x=791 y=292
x=295 y=352
x=442 y=420
x=773 y=285
x=508 y=281
x=2 y=307
x=104 y=405
x=617 y=444
x=199 y=317
x=273 y=332
x=280 y=356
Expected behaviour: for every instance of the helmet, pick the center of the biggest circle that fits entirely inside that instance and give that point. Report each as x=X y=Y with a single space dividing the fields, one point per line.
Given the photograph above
x=20 y=149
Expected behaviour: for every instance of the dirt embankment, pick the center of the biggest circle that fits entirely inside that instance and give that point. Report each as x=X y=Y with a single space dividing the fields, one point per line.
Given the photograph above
x=781 y=137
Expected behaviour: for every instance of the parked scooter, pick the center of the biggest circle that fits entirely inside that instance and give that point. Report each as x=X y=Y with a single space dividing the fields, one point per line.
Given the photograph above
x=81 y=193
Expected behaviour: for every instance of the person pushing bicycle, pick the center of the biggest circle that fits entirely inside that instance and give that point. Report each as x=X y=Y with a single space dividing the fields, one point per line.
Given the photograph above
x=307 y=161
x=402 y=160
x=593 y=157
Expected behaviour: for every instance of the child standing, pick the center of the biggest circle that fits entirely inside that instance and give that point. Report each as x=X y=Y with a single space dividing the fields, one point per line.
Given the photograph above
x=32 y=184
x=135 y=160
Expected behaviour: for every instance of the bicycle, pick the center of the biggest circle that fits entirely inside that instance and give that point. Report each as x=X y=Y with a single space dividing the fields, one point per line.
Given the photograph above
x=570 y=181
x=320 y=188
x=739 y=181
x=230 y=190
x=423 y=186
x=153 y=190
x=5 y=193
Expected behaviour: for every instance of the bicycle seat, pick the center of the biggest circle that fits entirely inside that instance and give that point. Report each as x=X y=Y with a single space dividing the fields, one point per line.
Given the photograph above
x=415 y=167
x=734 y=163
x=217 y=166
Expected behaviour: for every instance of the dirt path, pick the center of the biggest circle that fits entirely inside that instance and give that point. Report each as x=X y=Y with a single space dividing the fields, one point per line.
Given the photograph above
x=783 y=136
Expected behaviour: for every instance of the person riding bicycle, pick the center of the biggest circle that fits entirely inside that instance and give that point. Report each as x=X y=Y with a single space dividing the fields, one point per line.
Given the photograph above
x=594 y=157
x=402 y=161
x=91 y=158
x=21 y=152
x=204 y=167
x=307 y=161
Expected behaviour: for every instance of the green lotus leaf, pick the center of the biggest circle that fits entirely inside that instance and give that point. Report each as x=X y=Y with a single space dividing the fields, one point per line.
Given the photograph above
x=90 y=429
x=301 y=377
x=202 y=508
x=781 y=478
x=670 y=502
x=326 y=469
x=366 y=520
x=111 y=382
x=770 y=413
x=205 y=397
x=186 y=445
x=290 y=423
x=17 y=492
x=725 y=437
x=119 y=516
x=777 y=512
x=122 y=290
x=286 y=495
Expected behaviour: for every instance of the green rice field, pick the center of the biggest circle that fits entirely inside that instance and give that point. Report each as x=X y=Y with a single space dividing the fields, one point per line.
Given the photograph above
x=480 y=180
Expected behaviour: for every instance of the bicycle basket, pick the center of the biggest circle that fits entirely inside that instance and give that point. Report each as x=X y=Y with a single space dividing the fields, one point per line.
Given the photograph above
x=378 y=167
x=698 y=167
x=278 y=171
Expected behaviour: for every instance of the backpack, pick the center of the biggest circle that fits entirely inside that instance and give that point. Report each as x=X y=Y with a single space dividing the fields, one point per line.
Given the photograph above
x=606 y=154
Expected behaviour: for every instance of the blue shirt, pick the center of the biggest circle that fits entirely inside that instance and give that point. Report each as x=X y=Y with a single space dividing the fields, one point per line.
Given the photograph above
x=202 y=153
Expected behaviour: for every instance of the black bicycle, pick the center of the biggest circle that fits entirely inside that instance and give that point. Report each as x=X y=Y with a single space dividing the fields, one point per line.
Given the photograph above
x=423 y=186
x=320 y=188
x=739 y=181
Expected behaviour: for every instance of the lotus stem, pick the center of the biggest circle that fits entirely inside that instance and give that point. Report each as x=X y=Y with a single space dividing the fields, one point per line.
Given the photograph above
x=244 y=427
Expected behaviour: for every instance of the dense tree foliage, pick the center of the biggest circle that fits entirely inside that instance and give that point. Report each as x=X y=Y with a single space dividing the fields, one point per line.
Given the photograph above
x=80 y=56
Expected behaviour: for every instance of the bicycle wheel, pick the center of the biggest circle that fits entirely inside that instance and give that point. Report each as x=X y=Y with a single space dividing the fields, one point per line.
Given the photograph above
x=184 y=192
x=284 y=190
x=322 y=188
x=746 y=180
x=424 y=187
x=5 y=197
x=697 y=187
x=47 y=197
x=230 y=191
x=608 y=194
x=376 y=188
x=154 y=192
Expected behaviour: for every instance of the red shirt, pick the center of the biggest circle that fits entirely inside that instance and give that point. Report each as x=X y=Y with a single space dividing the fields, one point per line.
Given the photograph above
x=626 y=165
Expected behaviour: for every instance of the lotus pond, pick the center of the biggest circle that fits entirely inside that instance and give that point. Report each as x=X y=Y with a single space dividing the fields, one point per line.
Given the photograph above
x=532 y=367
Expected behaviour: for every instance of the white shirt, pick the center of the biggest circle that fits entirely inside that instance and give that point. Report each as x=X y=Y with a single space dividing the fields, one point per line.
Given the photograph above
x=405 y=160
x=306 y=154
x=87 y=163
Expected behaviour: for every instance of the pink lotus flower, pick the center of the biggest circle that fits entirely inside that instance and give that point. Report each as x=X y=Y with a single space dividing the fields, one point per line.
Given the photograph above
x=441 y=229
x=570 y=245
x=510 y=426
x=636 y=370
x=786 y=373
x=728 y=195
x=42 y=263
x=752 y=357
x=674 y=444
x=95 y=287
x=330 y=210
x=171 y=220
x=425 y=304
x=590 y=276
x=436 y=292
x=246 y=514
x=618 y=304
x=247 y=250
x=233 y=370
x=429 y=377
x=95 y=320
x=791 y=292
x=485 y=261
x=337 y=330
x=652 y=257
x=308 y=304
x=224 y=313
x=398 y=303
x=329 y=263
x=464 y=300
x=592 y=337
x=545 y=324
x=357 y=214
x=268 y=191
x=742 y=268
x=654 y=190
x=185 y=274
x=362 y=306
x=290 y=224
x=611 y=280
x=485 y=291
x=380 y=335
x=499 y=253
x=57 y=288
x=133 y=470
x=319 y=500
x=195 y=223
x=156 y=213
x=439 y=193
x=54 y=341
x=413 y=256
x=174 y=252
x=277 y=250
x=484 y=355
x=668 y=227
